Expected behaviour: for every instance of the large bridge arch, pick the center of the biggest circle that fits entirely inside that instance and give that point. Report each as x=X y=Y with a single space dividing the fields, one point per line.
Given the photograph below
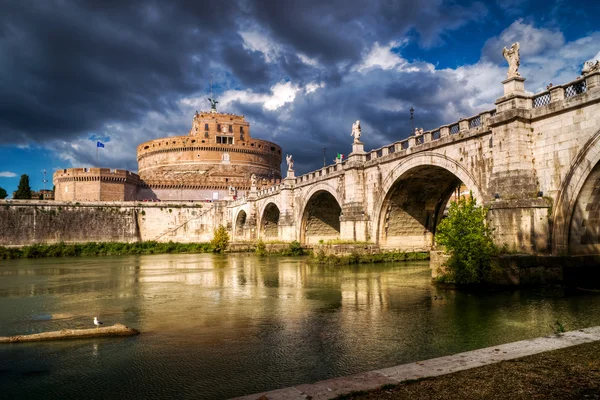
x=576 y=220
x=269 y=221
x=413 y=197
x=320 y=215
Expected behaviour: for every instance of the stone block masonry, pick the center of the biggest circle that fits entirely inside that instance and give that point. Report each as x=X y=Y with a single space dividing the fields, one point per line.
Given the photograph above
x=33 y=222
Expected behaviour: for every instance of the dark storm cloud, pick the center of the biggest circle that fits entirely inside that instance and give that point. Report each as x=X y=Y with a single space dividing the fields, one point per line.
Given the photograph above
x=249 y=67
x=73 y=68
x=323 y=119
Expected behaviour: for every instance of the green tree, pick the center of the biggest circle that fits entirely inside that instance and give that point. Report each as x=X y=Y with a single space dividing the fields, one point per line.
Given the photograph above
x=24 y=190
x=220 y=239
x=3 y=193
x=469 y=241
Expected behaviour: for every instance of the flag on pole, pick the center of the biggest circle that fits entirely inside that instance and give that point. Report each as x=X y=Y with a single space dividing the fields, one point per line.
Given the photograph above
x=99 y=144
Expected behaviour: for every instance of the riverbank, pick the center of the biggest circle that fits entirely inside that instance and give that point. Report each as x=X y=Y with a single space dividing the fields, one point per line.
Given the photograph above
x=571 y=373
x=101 y=249
x=562 y=366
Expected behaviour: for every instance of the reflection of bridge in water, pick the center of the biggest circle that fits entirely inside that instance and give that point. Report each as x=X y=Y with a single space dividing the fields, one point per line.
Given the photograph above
x=534 y=160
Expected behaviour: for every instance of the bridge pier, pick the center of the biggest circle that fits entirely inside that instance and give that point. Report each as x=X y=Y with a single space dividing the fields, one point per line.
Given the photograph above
x=354 y=223
x=520 y=216
x=522 y=225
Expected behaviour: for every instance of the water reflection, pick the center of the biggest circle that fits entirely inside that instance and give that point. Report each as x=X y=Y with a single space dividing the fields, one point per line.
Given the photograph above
x=219 y=326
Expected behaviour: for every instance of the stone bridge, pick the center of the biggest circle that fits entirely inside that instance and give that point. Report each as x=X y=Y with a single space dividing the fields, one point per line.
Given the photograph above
x=533 y=160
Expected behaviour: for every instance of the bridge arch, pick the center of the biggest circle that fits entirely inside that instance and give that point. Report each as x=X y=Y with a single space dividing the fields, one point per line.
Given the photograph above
x=576 y=227
x=320 y=218
x=239 y=225
x=413 y=198
x=269 y=221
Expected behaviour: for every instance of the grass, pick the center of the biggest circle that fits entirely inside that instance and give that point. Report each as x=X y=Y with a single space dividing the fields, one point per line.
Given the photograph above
x=341 y=241
x=321 y=258
x=292 y=249
x=101 y=249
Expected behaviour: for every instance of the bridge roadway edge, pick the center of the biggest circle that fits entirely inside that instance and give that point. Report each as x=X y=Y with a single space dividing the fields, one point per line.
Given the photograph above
x=372 y=380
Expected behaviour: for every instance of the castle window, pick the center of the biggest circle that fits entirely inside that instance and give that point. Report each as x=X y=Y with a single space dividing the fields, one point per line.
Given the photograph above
x=205 y=127
x=242 y=137
x=224 y=139
x=218 y=127
x=205 y=135
x=272 y=148
x=230 y=128
x=242 y=130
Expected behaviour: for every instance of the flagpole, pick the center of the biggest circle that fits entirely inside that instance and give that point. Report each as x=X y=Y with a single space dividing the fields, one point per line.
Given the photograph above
x=97 y=165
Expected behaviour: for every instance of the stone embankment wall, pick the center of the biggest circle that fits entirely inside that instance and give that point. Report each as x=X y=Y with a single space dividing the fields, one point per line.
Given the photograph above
x=31 y=222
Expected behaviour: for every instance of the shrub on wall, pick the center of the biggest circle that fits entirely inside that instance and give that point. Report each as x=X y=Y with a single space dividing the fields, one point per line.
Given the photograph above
x=469 y=241
x=220 y=239
x=261 y=248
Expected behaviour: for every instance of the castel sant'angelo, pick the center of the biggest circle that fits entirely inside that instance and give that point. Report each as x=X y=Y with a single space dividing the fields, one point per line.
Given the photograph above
x=215 y=161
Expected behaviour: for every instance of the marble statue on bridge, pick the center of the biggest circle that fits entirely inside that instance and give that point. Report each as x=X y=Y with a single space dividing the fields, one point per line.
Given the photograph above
x=356 y=131
x=290 y=162
x=514 y=60
x=590 y=67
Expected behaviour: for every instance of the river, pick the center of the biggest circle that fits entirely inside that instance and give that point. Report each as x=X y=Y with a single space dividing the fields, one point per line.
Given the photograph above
x=222 y=326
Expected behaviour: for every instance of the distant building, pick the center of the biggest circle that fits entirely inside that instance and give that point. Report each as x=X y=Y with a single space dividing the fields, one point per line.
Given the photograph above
x=44 y=194
x=95 y=184
x=215 y=161
x=217 y=154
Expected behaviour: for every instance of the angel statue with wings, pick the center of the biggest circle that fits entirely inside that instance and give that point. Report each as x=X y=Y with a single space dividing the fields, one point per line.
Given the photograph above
x=290 y=162
x=213 y=105
x=514 y=60
x=356 y=131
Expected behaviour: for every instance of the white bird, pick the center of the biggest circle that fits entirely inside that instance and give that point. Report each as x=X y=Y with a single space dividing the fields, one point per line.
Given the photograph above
x=97 y=323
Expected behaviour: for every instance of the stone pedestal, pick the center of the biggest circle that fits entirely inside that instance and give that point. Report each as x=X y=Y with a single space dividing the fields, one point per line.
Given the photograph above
x=514 y=85
x=592 y=80
x=253 y=193
x=290 y=174
x=358 y=148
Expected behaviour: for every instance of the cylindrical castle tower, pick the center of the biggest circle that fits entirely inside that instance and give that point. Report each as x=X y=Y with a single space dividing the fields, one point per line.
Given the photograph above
x=216 y=157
